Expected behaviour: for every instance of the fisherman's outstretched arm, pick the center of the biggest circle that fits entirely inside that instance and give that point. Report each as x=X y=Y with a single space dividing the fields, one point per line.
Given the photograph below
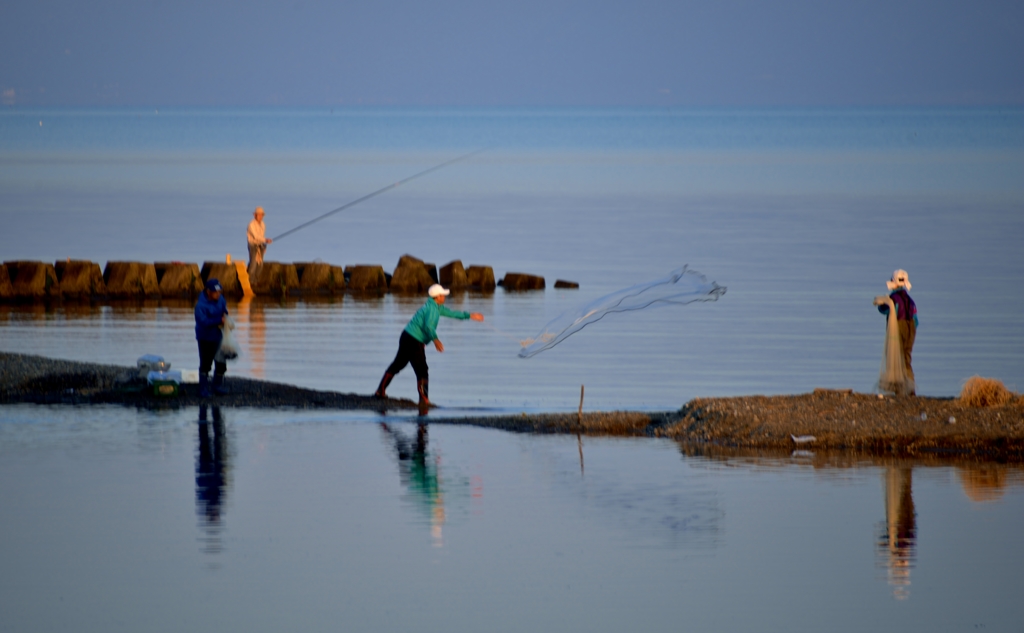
x=458 y=314
x=444 y=310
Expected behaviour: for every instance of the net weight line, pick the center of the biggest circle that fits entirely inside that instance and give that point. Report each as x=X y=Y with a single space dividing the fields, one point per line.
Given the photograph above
x=521 y=342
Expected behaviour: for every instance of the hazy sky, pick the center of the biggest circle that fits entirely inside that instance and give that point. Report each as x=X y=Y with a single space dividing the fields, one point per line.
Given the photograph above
x=522 y=52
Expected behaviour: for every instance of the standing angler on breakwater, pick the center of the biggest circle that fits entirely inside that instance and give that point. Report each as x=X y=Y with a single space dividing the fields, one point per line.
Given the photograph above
x=906 y=317
x=211 y=313
x=422 y=329
x=256 y=235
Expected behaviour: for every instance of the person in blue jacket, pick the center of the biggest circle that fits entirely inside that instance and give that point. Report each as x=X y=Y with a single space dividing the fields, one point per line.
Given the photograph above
x=422 y=329
x=906 y=315
x=211 y=312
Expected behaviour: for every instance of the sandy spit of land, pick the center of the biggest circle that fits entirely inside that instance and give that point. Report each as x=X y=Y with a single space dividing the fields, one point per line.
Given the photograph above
x=826 y=420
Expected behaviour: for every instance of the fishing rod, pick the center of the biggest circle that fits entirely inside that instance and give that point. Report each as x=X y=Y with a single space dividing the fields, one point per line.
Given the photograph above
x=378 y=192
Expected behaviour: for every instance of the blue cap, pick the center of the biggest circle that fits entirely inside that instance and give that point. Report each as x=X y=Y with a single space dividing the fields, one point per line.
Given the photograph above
x=212 y=285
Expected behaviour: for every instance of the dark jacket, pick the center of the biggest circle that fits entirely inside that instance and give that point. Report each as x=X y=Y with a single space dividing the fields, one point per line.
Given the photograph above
x=209 y=315
x=906 y=309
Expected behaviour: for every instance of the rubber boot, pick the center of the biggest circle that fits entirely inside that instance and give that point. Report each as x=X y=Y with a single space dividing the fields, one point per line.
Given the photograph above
x=204 y=385
x=424 y=404
x=382 y=388
x=218 y=389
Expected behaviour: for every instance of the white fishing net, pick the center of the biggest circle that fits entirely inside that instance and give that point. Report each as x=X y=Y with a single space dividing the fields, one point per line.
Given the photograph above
x=681 y=287
x=893 y=377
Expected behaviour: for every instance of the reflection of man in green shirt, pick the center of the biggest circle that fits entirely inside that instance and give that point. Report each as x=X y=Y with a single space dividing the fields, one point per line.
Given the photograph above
x=422 y=329
x=420 y=474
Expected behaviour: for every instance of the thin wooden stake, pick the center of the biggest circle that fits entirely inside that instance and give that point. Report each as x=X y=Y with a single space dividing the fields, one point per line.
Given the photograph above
x=579 y=429
x=579 y=416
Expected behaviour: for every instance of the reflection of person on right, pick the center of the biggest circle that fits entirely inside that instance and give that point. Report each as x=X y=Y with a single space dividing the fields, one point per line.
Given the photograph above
x=899 y=539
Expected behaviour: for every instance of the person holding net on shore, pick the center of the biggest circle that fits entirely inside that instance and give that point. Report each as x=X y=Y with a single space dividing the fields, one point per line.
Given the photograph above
x=897 y=375
x=422 y=329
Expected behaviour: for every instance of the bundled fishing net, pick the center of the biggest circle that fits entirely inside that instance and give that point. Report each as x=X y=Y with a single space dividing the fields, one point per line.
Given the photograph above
x=229 y=349
x=681 y=287
x=893 y=377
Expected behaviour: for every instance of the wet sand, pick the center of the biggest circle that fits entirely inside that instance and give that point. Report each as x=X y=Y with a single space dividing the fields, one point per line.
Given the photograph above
x=826 y=420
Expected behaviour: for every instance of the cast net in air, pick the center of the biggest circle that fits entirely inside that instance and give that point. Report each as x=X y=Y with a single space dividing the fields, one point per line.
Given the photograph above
x=681 y=287
x=893 y=376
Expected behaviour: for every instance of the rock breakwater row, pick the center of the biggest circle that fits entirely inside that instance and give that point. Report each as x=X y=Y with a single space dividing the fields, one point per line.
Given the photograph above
x=80 y=279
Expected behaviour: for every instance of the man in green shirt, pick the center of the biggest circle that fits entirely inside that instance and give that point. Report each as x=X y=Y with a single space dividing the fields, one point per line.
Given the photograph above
x=422 y=329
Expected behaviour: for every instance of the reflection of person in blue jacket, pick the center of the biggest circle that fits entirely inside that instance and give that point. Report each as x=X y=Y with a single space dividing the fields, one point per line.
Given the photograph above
x=422 y=329
x=211 y=474
x=211 y=312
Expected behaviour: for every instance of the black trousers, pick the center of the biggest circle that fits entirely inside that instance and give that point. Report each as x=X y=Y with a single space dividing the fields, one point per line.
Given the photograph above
x=207 y=350
x=410 y=351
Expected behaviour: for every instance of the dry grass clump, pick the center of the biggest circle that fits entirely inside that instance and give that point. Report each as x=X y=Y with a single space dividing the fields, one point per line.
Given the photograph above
x=985 y=392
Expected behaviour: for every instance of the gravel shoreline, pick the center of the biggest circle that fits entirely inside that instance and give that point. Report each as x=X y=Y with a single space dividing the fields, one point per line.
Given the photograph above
x=826 y=420
x=844 y=420
x=39 y=380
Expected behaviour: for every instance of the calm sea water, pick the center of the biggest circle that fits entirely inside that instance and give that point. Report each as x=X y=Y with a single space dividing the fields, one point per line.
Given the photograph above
x=122 y=520
x=117 y=520
x=802 y=214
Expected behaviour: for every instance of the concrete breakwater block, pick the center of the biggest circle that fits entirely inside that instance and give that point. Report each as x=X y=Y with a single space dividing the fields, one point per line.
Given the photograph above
x=226 y=274
x=127 y=280
x=274 y=279
x=80 y=279
x=561 y=283
x=320 y=278
x=178 y=279
x=453 y=275
x=480 y=278
x=366 y=278
x=411 y=275
x=522 y=281
x=33 y=280
x=6 y=289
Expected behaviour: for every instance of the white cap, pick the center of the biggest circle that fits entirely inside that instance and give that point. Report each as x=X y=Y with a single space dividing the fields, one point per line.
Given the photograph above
x=438 y=290
x=899 y=278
